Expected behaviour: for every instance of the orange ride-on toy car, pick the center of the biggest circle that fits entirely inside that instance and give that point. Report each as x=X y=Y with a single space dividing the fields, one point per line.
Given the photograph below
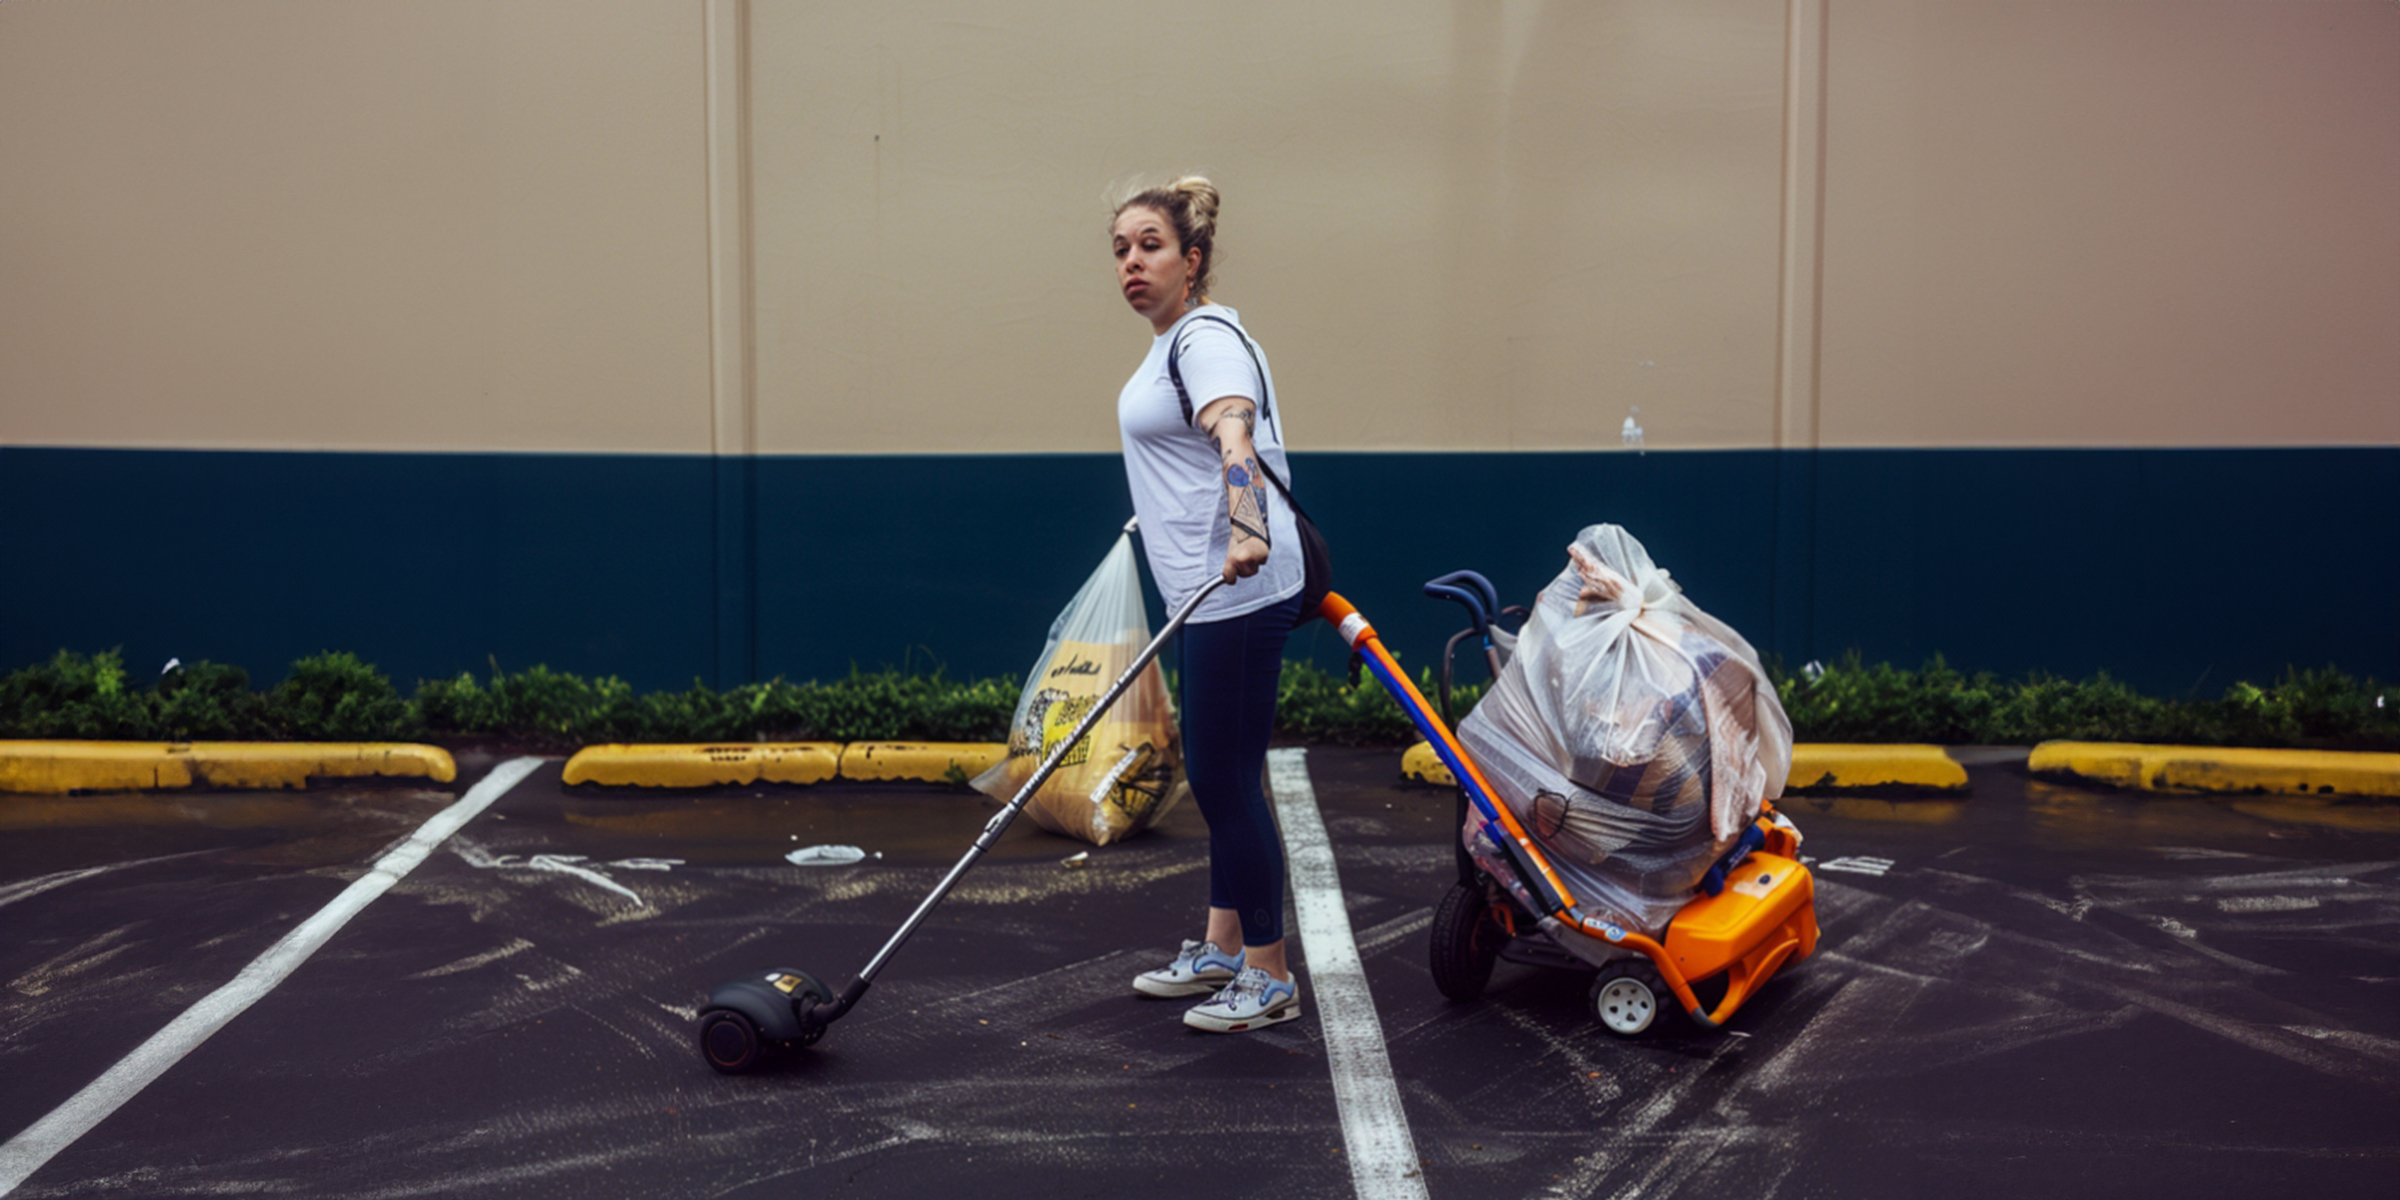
x=1756 y=914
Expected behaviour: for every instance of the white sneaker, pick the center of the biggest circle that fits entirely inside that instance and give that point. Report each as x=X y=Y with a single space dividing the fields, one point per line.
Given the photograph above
x=1254 y=1000
x=1199 y=970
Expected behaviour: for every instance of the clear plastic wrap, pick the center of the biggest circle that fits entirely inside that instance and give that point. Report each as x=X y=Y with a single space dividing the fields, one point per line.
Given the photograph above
x=1632 y=734
x=1127 y=772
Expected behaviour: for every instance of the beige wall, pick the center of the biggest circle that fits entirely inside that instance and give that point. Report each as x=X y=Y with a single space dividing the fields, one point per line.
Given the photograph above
x=2152 y=224
x=444 y=224
x=1451 y=225
x=677 y=225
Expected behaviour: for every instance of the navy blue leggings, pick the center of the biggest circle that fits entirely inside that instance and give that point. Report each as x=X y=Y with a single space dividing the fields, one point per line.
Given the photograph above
x=1230 y=669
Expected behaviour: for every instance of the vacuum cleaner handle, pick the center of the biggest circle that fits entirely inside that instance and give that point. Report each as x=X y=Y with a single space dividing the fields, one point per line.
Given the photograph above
x=826 y=1013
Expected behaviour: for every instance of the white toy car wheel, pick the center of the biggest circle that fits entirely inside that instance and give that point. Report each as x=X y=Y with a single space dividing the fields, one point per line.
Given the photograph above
x=1624 y=1000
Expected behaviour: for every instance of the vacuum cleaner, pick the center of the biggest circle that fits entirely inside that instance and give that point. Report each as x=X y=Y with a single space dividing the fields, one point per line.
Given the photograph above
x=787 y=1008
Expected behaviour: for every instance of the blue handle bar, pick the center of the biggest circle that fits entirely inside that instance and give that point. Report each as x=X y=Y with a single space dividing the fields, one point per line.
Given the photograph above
x=1752 y=838
x=1481 y=599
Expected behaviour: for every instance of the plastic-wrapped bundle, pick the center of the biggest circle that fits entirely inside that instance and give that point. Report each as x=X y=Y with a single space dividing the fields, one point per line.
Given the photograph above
x=1633 y=734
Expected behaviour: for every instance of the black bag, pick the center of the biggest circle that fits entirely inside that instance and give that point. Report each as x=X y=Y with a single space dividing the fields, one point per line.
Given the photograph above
x=1315 y=558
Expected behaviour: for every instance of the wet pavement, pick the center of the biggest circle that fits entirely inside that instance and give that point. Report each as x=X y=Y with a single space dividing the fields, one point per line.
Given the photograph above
x=2039 y=990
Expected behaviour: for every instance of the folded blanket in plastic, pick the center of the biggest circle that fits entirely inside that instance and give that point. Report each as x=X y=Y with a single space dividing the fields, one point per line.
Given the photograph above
x=1633 y=735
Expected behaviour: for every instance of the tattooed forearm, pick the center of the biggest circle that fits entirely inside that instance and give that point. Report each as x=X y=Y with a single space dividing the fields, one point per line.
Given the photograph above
x=1247 y=498
x=1237 y=410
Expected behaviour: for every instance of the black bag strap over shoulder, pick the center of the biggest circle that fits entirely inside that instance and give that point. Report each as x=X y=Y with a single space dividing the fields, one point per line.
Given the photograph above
x=1266 y=394
x=1266 y=401
x=1315 y=557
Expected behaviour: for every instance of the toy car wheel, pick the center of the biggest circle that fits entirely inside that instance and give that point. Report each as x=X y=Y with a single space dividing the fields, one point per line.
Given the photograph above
x=729 y=1041
x=1466 y=942
x=1625 y=998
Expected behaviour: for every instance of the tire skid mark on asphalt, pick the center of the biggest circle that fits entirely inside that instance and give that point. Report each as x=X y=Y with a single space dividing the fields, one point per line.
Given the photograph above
x=1598 y=1083
x=1006 y=884
x=1398 y=858
x=515 y=946
x=1854 y=1002
x=1375 y=939
x=464 y=1183
x=26 y=889
x=1445 y=1019
x=2332 y=874
x=1754 y=1165
x=1068 y=986
x=2272 y=1039
x=2352 y=1040
x=640 y=1047
x=1631 y=1133
x=76 y=960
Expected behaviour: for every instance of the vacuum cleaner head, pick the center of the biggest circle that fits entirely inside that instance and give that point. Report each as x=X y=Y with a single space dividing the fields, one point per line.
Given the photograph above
x=751 y=1015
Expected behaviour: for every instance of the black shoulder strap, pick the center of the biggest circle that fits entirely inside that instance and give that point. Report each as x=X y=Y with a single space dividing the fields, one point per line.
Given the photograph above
x=1266 y=404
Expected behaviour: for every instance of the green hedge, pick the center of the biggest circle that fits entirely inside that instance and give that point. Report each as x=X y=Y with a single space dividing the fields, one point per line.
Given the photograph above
x=337 y=697
x=1852 y=701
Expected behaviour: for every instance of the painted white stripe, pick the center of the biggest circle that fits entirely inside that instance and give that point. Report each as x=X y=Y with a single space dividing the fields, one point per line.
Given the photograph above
x=1383 y=1157
x=25 y=1153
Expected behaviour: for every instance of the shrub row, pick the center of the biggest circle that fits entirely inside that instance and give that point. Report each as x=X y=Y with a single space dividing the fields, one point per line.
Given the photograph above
x=337 y=697
x=1852 y=701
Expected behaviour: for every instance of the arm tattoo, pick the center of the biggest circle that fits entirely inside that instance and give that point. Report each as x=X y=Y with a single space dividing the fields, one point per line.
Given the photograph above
x=1249 y=501
x=1242 y=412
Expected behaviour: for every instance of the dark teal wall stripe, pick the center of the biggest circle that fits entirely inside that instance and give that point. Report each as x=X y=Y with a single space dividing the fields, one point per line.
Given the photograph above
x=735 y=532
x=2174 y=569
x=428 y=564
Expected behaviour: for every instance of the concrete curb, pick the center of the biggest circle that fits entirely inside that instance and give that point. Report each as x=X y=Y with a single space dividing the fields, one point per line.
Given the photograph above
x=1814 y=765
x=74 y=766
x=705 y=765
x=713 y=765
x=1859 y=765
x=2220 y=768
x=931 y=762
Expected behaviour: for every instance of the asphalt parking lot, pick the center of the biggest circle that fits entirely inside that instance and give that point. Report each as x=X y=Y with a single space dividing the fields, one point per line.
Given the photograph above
x=2038 y=990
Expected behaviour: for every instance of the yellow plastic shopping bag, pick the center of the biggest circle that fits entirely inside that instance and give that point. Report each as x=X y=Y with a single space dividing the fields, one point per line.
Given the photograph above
x=1127 y=772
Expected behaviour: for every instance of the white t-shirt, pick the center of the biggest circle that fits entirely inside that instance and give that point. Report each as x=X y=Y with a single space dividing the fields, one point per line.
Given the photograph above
x=1178 y=479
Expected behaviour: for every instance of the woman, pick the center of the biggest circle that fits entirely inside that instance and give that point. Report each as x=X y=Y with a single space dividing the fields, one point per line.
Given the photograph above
x=1193 y=459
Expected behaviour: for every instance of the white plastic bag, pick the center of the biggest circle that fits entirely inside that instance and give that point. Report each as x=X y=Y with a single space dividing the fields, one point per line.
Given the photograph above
x=1632 y=734
x=1126 y=773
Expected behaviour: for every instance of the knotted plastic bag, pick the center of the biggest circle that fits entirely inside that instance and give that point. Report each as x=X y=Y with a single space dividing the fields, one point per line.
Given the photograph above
x=1633 y=734
x=1127 y=772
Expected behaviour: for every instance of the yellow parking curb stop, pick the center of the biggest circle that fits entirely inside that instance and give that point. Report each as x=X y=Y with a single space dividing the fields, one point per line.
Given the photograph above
x=1865 y=765
x=705 y=765
x=931 y=762
x=2221 y=768
x=75 y=766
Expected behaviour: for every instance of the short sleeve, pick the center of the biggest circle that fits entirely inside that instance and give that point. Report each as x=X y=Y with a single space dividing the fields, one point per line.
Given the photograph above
x=1215 y=364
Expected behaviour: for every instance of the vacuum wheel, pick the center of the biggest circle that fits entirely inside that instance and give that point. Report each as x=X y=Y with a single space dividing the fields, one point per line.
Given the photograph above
x=729 y=1041
x=1466 y=941
x=1626 y=997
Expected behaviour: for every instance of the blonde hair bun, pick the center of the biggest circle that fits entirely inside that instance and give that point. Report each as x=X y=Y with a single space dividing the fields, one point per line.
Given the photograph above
x=1202 y=201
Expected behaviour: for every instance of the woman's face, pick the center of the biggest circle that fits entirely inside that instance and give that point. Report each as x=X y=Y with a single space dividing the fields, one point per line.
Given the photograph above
x=1153 y=269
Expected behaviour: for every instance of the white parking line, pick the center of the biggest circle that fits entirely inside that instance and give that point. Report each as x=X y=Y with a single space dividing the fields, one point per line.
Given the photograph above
x=1383 y=1157
x=25 y=1153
